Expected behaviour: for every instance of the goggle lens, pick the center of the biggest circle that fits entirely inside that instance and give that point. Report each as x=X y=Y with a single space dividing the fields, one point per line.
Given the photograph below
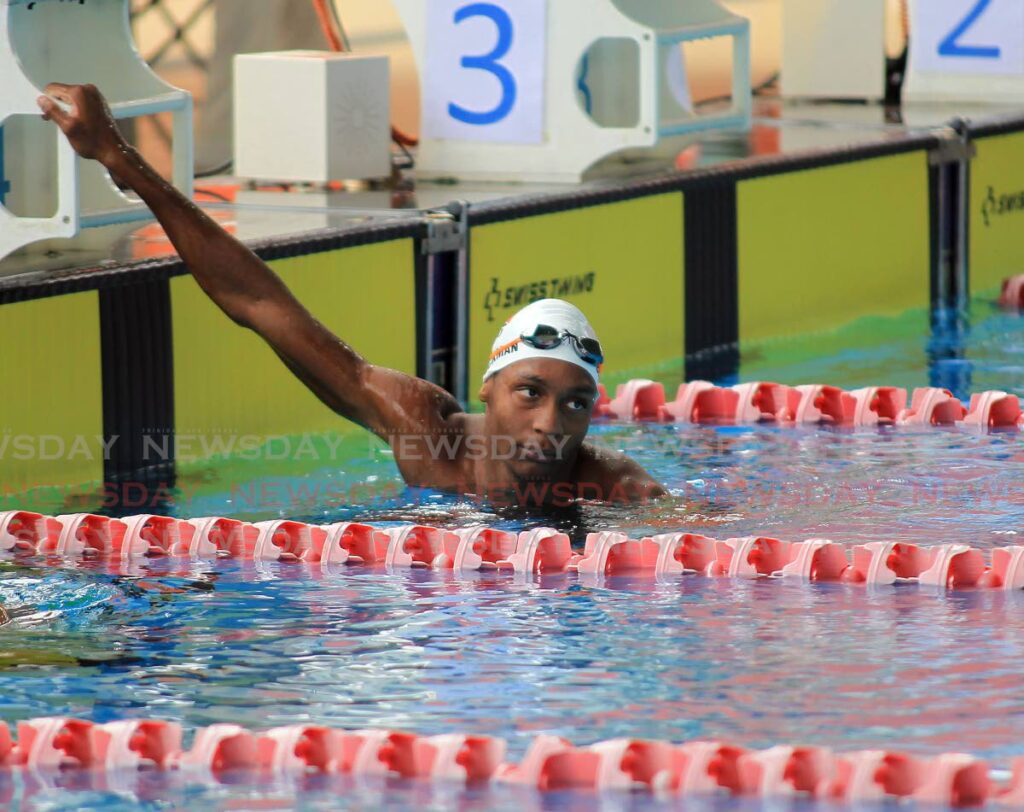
x=546 y=337
x=593 y=348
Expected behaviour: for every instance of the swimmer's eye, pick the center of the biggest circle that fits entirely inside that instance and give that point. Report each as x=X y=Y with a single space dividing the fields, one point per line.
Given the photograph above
x=579 y=405
x=529 y=392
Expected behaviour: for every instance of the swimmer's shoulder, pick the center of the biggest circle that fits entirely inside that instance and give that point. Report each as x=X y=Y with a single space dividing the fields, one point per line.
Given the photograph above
x=467 y=423
x=618 y=477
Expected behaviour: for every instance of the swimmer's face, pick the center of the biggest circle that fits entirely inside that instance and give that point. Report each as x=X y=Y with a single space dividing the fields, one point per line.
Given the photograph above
x=543 y=406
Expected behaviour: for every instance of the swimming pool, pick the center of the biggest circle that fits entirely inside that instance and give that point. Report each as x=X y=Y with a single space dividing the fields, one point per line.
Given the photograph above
x=756 y=663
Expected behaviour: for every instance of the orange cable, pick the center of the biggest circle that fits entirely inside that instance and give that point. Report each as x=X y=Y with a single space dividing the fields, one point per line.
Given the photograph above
x=335 y=43
x=327 y=26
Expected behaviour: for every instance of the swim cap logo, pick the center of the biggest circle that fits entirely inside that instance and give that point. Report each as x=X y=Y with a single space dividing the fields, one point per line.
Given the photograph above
x=996 y=206
x=507 y=351
x=516 y=296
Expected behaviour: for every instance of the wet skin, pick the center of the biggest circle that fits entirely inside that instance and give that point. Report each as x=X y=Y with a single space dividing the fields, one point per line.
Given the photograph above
x=537 y=411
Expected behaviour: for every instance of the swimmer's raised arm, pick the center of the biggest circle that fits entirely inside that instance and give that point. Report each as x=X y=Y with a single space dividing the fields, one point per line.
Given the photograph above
x=246 y=289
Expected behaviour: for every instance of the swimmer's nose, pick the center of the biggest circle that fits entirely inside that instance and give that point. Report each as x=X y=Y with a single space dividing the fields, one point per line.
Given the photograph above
x=548 y=421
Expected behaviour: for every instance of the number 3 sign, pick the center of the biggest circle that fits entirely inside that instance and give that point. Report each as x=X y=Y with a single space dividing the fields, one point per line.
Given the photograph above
x=499 y=81
x=968 y=37
x=484 y=73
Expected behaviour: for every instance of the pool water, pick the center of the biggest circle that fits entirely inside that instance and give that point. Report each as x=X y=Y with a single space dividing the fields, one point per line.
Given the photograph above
x=754 y=662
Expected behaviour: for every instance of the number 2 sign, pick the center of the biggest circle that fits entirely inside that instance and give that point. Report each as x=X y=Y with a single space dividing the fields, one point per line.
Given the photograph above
x=485 y=70
x=968 y=37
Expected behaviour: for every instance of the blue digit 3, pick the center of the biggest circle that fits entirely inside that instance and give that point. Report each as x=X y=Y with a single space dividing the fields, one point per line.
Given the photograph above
x=489 y=63
x=951 y=46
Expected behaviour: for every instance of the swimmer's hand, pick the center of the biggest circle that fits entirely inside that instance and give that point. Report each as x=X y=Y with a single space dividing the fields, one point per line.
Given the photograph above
x=88 y=124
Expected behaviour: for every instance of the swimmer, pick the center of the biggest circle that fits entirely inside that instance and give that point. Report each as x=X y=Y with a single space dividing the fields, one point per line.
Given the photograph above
x=539 y=391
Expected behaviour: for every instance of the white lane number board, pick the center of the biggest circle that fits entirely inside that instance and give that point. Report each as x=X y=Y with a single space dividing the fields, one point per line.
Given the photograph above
x=968 y=37
x=484 y=75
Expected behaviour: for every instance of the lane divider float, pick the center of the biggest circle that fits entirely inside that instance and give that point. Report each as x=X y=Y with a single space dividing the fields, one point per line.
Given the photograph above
x=541 y=551
x=550 y=764
x=808 y=404
x=1012 y=294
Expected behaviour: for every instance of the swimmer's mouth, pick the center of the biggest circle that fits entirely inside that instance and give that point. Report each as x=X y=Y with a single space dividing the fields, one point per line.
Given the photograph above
x=536 y=455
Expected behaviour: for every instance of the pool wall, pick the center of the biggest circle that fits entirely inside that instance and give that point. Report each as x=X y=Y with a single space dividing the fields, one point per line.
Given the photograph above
x=995 y=216
x=680 y=272
x=768 y=248
x=110 y=363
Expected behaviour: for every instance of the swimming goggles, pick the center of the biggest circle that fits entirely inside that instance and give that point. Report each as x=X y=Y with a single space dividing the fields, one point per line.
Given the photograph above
x=546 y=337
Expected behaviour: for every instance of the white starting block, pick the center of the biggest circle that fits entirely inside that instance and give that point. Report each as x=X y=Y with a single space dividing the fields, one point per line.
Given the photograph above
x=41 y=178
x=506 y=84
x=966 y=50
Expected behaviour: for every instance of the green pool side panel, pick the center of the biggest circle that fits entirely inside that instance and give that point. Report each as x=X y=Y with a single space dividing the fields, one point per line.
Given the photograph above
x=821 y=248
x=621 y=263
x=228 y=382
x=996 y=215
x=51 y=417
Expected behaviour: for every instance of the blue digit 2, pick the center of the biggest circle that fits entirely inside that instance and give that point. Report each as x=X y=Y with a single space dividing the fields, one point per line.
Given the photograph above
x=951 y=46
x=489 y=63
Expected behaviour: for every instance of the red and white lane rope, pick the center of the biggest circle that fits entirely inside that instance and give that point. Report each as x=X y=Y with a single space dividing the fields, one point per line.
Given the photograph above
x=550 y=764
x=1011 y=296
x=810 y=404
x=82 y=536
x=765 y=402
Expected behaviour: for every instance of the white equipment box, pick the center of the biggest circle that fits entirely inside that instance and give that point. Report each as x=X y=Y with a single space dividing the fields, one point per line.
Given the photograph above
x=833 y=49
x=312 y=116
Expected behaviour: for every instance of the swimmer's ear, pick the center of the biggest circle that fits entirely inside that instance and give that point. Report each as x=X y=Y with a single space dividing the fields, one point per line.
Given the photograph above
x=485 y=390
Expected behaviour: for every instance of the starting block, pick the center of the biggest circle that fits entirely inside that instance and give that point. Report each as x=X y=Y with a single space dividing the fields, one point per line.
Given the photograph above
x=541 y=90
x=53 y=192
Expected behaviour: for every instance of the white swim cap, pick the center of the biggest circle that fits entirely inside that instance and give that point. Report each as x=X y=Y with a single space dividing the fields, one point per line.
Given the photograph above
x=509 y=347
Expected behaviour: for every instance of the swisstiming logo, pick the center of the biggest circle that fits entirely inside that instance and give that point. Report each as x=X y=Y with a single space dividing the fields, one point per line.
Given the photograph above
x=998 y=205
x=516 y=296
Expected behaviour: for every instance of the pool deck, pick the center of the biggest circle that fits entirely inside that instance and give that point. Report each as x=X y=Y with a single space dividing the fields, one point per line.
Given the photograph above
x=782 y=129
